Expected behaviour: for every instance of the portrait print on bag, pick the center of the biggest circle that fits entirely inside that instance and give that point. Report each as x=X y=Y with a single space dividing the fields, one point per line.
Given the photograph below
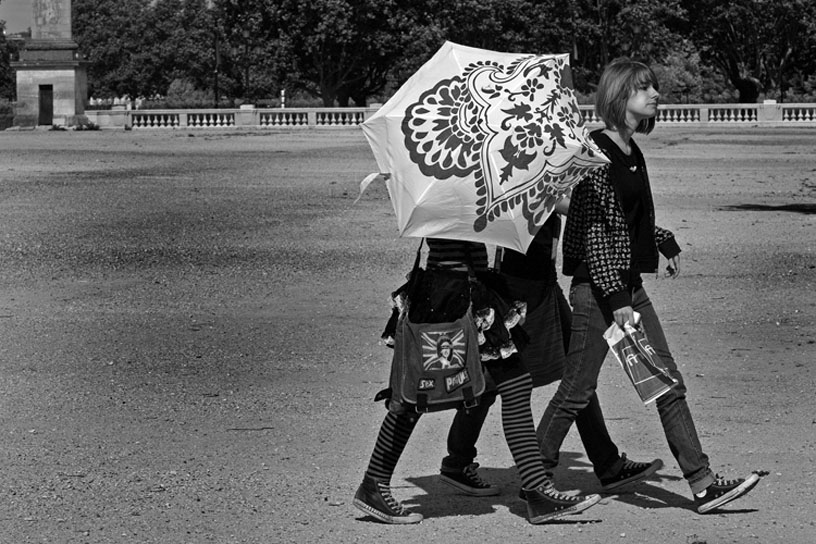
x=443 y=350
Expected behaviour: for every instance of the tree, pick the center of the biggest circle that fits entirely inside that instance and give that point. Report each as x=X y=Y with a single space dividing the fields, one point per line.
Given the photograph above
x=8 y=84
x=110 y=35
x=791 y=41
x=592 y=31
x=646 y=30
x=680 y=75
x=137 y=48
x=252 y=53
x=350 y=50
x=523 y=26
x=178 y=43
x=753 y=42
x=341 y=49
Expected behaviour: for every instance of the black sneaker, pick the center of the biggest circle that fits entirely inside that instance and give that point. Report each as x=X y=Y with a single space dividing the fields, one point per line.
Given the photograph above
x=375 y=499
x=469 y=482
x=631 y=472
x=723 y=491
x=545 y=503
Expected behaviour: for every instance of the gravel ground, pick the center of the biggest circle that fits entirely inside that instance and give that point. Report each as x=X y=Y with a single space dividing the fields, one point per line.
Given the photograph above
x=190 y=328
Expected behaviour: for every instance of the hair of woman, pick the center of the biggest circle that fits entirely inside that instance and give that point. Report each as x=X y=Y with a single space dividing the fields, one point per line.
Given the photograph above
x=619 y=80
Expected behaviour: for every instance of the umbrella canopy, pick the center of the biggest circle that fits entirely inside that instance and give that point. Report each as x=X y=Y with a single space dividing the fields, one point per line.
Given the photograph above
x=479 y=145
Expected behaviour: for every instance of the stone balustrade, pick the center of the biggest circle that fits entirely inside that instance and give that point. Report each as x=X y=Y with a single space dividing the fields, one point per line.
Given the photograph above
x=766 y=114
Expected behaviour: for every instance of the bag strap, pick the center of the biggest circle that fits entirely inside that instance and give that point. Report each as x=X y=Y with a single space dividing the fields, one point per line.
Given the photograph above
x=422 y=403
x=413 y=275
x=418 y=256
x=469 y=263
x=469 y=401
x=498 y=258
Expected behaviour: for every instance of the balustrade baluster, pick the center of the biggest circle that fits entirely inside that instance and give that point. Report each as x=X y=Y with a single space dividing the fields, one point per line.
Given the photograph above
x=670 y=114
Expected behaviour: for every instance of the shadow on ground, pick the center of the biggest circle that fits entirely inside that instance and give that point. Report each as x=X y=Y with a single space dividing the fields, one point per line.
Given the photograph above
x=574 y=473
x=807 y=209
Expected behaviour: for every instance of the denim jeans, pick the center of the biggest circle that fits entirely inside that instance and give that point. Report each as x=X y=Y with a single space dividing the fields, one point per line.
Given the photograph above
x=467 y=424
x=591 y=316
x=601 y=450
x=464 y=431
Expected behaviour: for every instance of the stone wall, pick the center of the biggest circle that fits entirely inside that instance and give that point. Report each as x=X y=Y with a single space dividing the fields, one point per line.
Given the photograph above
x=69 y=86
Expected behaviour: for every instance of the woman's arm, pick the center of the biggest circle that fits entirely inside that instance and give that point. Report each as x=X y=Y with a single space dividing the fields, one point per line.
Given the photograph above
x=605 y=237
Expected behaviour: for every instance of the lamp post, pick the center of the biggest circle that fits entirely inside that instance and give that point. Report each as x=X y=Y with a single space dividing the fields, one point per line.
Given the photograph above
x=216 y=50
x=217 y=66
x=246 y=62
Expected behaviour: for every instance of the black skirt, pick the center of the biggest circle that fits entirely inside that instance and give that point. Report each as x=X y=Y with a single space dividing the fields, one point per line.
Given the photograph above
x=547 y=325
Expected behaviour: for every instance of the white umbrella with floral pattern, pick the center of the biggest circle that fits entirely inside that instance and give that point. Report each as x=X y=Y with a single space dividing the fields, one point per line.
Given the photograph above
x=479 y=145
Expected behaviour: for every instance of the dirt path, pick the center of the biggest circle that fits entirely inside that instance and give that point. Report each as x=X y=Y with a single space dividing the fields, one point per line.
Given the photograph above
x=190 y=325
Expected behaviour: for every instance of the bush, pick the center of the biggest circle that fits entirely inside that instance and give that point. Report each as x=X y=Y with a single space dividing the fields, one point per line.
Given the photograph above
x=183 y=94
x=296 y=100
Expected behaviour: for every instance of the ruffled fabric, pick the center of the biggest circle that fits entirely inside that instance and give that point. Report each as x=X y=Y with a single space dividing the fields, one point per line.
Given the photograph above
x=497 y=318
x=439 y=296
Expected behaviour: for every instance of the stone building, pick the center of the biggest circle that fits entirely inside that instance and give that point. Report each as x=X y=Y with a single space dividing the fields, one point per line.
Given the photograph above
x=52 y=82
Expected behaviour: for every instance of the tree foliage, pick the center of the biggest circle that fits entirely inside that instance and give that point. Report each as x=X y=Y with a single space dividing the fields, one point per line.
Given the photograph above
x=7 y=79
x=109 y=34
x=754 y=43
x=345 y=51
x=341 y=49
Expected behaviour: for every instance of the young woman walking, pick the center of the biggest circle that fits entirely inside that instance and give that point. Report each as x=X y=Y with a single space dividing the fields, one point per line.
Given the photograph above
x=611 y=239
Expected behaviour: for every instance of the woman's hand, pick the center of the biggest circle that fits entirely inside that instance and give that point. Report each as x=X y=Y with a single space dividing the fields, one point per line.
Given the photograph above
x=673 y=270
x=624 y=315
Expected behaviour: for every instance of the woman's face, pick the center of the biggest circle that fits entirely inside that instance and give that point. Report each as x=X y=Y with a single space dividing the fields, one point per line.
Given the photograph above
x=642 y=103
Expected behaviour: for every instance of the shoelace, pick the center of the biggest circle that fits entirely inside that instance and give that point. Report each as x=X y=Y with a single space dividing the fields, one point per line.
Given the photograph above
x=553 y=493
x=473 y=476
x=722 y=482
x=395 y=505
x=628 y=464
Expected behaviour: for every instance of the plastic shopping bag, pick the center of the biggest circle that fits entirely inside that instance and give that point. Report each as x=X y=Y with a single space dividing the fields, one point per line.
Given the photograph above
x=638 y=359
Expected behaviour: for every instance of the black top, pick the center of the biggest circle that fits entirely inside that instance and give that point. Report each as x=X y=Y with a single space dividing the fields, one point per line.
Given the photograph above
x=456 y=255
x=538 y=264
x=631 y=183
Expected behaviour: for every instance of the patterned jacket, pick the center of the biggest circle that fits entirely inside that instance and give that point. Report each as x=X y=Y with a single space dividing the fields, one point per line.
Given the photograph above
x=596 y=235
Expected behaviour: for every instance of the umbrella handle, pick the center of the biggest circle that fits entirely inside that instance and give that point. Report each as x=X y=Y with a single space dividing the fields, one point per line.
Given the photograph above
x=368 y=180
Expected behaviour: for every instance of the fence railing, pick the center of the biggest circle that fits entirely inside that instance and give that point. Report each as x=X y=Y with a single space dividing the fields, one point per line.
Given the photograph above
x=230 y=118
x=767 y=114
x=726 y=114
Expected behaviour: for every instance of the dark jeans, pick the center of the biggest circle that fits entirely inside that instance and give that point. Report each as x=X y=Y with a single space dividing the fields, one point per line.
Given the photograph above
x=466 y=427
x=464 y=432
x=591 y=316
x=467 y=424
x=601 y=450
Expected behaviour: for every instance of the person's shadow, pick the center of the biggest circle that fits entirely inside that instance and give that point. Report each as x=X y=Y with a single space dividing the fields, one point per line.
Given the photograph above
x=574 y=475
x=441 y=500
x=575 y=472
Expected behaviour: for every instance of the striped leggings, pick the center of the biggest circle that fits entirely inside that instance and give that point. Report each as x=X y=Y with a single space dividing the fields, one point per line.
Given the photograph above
x=515 y=387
